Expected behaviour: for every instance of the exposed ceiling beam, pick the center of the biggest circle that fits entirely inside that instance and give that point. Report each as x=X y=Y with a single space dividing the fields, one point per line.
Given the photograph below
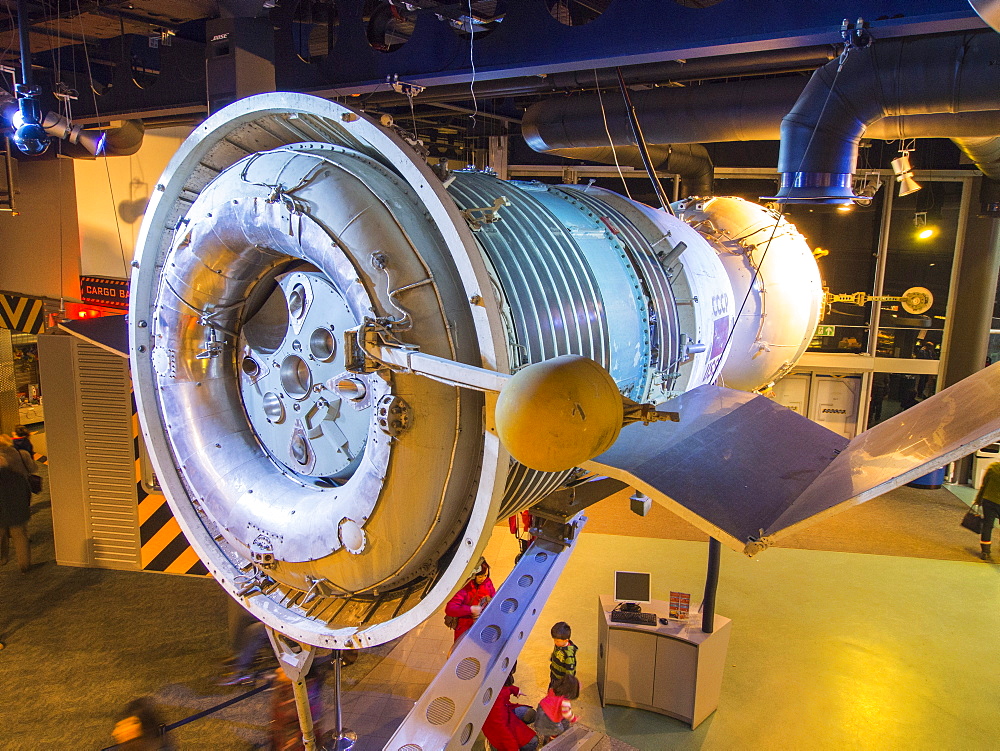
x=479 y=113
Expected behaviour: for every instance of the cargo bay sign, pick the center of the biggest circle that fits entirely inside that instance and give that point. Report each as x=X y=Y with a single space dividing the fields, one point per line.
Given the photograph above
x=104 y=291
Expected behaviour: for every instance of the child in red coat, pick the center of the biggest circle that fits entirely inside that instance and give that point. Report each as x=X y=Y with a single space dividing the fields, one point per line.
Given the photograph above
x=470 y=600
x=505 y=727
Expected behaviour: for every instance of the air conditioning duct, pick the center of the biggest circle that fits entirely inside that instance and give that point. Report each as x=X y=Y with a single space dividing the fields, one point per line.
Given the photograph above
x=891 y=77
x=688 y=160
x=742 y=111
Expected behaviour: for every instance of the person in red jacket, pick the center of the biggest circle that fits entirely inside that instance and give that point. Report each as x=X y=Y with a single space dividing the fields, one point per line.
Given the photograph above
x=520 y=527
x=505 y=727
x=555 y=712
x=470 y=600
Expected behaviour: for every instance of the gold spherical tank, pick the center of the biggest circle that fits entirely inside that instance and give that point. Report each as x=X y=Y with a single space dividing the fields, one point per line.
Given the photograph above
x=556 y=414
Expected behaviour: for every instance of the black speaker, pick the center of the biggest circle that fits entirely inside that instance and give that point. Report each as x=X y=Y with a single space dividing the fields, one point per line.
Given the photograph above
x=239 y=59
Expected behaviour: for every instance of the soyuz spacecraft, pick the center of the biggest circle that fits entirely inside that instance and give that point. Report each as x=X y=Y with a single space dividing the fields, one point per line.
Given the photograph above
x=349 y=367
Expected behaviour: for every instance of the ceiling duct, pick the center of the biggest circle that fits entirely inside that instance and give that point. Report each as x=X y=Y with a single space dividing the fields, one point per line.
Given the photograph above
x=675 y=121
x=732 y=111
x=689 y=160
x=797 y=59
x=984 y=152
x=746 y=110
x=925 y=75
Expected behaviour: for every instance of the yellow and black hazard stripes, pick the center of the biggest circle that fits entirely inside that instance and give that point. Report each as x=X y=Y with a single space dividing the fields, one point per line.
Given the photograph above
x=163 y=545
x=25 y=314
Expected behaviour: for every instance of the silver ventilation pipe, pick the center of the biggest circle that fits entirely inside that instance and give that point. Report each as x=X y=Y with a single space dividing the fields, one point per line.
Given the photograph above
x=676 y=121
x=733 y=111
x=925 y=75
x=689 y=160
x=746 y=110
x=984 y=152
x=796 y=59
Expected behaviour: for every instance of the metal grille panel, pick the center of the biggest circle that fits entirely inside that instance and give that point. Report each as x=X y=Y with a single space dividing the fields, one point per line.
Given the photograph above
x=107 y=450
x=468 y=668
x=440 y=710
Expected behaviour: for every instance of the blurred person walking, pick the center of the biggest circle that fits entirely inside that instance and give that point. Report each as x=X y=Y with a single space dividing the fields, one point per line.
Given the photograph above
x=15 y=502
x=988 y=498
x=22 y=440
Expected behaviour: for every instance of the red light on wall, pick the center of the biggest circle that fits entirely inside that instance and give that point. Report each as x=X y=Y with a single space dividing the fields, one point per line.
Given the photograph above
x=77 y=311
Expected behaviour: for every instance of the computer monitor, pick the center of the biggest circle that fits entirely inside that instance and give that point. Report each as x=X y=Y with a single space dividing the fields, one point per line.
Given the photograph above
x=631 y=586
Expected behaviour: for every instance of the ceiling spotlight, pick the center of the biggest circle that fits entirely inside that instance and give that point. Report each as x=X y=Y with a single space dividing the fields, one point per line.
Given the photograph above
x=925 y=231
x=31 y=139
x=29 y=135
x=903 y=171
x=866 y=188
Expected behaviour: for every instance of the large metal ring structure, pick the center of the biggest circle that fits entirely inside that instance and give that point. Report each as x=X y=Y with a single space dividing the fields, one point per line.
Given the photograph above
x=280 y=222
x=342 y=506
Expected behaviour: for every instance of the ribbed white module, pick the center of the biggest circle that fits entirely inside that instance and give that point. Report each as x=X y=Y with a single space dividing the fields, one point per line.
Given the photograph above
x=704 y=298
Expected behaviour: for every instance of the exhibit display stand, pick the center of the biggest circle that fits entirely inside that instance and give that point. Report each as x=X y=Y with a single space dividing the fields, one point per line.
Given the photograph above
x=674 y=668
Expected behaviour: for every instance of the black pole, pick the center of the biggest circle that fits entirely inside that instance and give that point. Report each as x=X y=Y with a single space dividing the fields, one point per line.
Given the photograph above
x=633 y=120
x=711 y=586
x=22 y=37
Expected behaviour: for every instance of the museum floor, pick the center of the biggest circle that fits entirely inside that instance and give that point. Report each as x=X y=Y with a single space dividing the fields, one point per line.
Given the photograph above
x=829 y=650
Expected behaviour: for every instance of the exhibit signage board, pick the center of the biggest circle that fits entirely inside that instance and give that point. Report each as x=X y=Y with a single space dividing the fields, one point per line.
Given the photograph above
x=107 y=292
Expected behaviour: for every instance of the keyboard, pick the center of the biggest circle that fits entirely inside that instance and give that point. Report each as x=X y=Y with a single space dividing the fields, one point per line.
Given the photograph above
x=642 y=619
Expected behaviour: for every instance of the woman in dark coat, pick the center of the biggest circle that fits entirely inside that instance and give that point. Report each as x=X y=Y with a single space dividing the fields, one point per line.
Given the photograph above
x=15 y=501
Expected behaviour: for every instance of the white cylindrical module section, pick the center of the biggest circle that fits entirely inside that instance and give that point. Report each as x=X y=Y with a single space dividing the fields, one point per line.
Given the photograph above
x=702 y=293
x=775 y=281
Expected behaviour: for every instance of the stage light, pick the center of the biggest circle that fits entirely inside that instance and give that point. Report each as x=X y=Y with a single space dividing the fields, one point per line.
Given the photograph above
x=29 y=135
x=903 y=171
x=865 y=189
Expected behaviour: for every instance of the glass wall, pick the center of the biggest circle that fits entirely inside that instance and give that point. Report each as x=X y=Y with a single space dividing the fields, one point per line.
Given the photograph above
x=26 y=379
x=846 y=243
x=920 y=250
x=919 y=239
x=885 y=249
